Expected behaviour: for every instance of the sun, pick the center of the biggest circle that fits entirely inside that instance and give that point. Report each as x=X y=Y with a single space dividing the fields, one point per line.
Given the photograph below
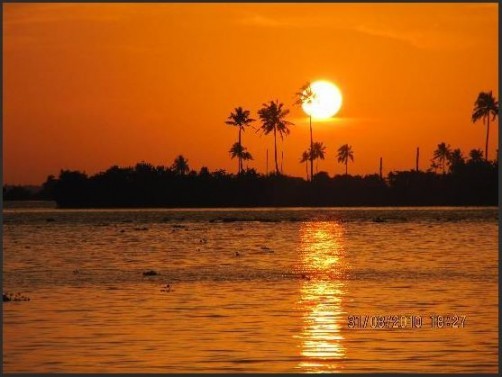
x=327 y=100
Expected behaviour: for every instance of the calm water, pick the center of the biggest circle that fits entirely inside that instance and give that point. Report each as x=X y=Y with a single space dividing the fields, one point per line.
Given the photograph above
x=280 y=305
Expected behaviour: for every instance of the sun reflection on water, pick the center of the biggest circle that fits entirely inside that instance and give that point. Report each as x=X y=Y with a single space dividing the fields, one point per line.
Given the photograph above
x=323 y=265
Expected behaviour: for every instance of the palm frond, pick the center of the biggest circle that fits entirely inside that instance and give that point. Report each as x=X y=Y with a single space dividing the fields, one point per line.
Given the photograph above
x=485 y=106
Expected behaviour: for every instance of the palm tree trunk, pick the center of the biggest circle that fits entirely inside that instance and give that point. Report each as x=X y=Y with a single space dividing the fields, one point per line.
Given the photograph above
x=311 y=150
x=240 y=155
x=487 y=133
x=275 y=152
x=282 y=160
x=346 y=166
x=307 y=170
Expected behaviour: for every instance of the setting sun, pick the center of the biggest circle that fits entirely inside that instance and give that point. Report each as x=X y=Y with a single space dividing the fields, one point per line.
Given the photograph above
x=326 y=102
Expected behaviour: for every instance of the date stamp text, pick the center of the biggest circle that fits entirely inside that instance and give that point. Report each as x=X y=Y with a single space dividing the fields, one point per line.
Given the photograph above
x=406 y=321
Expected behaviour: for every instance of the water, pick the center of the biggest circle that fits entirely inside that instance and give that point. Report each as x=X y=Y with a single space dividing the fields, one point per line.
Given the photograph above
x=281 y=305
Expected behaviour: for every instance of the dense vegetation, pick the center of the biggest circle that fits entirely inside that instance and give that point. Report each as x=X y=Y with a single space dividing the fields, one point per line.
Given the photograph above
x=463 y=182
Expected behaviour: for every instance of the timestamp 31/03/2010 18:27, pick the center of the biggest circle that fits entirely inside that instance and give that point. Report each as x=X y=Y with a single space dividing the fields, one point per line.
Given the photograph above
x=406 y=321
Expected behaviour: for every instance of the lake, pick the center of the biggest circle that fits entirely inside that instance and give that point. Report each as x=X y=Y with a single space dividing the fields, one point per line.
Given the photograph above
x=251 y=290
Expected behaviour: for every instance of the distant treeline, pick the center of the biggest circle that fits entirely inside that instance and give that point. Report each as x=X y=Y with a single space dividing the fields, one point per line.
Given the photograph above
x=474 y=182
x=19 y=192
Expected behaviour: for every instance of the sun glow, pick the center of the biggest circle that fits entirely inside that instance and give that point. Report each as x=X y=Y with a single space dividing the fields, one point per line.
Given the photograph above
x=326 y=101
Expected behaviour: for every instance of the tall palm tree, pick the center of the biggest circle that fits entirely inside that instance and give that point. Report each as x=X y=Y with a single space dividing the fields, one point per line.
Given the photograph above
x=180 y=165
x=306 y=95
x=318 y=152
x=442 y=156
x=344 y=154
x=305 y=157
x=239 y=151
x=486 y=106
x=240 y=118
x=272 y=118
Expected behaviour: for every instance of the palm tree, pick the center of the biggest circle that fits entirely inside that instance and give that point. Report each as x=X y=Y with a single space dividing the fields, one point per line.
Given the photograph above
x=456 y=160
x=239 y=151
x=442 y=156
x=240 y=118
x=246 y=156
x=306 y=95
x=318 y=152
x=486 y=106
x=272 y=118
x=305 y=158
x=344 y=154
x=180 y=165
x=476 y=155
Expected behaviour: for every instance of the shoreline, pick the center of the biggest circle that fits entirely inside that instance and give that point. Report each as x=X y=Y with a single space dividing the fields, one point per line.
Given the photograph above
x=51 y=204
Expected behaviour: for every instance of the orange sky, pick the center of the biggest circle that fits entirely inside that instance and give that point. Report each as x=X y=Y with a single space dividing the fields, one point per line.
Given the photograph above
x=87 y=86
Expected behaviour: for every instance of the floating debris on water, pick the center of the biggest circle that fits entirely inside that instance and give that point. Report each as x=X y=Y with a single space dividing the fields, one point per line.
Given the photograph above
x=237 y=254
x=150 y=273
x=378 y=220
x=267 y=249
x=166 y=288
x=8 y=297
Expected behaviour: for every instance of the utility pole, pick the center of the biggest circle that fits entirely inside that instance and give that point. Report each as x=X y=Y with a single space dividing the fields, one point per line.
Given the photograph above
x=282 y=161
x=416 y=160
x=267 y=163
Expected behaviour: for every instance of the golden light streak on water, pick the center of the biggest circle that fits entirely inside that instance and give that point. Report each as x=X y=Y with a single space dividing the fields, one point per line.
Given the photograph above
x=322 y=253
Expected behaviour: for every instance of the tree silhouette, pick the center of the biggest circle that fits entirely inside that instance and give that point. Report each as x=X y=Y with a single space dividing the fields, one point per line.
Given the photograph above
x=476 y=155
x=318 y=152
x=204 y=172
x=239 y=151
x=306 y=95
x=344 y=154
x=441 y=156
x=180 y=165
x=306 y=157
x=240 y=118
x=272 y=118
x=486 y=106
x=456 y=160
x=145 y=185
